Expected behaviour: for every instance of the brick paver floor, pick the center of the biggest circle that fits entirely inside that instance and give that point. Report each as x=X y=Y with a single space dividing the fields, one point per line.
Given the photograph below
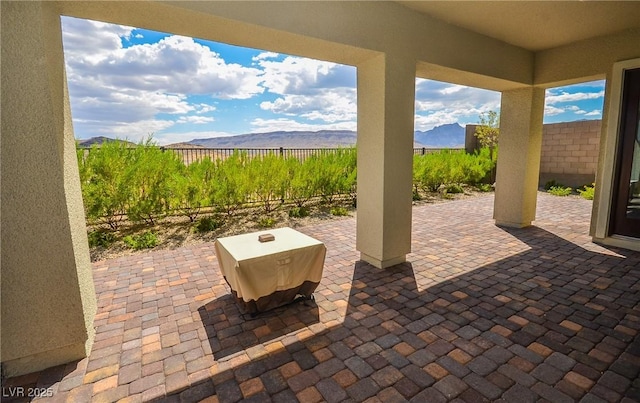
x=480 y=313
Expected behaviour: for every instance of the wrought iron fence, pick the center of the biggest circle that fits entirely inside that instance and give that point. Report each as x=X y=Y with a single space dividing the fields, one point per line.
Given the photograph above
x=190 y=155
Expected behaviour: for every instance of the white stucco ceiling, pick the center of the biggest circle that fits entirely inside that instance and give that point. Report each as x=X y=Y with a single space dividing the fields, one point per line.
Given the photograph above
x=535 y=25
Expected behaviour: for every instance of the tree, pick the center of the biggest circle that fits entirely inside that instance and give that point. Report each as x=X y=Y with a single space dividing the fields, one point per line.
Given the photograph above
x=488 y=130
x=487 y=133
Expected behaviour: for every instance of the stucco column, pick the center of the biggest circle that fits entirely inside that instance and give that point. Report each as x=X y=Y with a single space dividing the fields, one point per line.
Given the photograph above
x=386 y=92
x=48 y=296
x=519 y=148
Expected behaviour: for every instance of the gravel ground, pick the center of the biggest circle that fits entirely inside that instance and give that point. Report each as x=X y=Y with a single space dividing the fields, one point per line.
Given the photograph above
x=176 y=231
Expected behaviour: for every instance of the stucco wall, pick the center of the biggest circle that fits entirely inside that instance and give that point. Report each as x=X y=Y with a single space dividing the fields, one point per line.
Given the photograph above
x=48 y=297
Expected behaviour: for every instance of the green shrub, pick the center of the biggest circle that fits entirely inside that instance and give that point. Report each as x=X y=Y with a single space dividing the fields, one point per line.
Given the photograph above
x=552 y=183
x=588 y=192
x=560 y=191
x=268 y=179
x=207 y=224
x=150 y=176
x=105 y=172
x=101 y=238
x=454 y=188
x=339 y=211
x=299 y=212
x=484 y=187
x=266 y=222
x=146 y=240
x=228 y=187
x=191 y=187
x=431 y=171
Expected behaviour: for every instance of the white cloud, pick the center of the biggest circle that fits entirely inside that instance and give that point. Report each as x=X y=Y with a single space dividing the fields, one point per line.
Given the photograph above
x=329 y=105
x=594 y=112
x=265 y=55
x=439 y=103
x=552 y=110
x=552 y=98
x=205 y=108
x=310 y=89
x=284 y=124
x=112 y=86
x=198 y=120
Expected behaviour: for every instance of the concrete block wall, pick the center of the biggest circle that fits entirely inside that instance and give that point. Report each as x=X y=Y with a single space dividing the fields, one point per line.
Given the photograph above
x=570 y=152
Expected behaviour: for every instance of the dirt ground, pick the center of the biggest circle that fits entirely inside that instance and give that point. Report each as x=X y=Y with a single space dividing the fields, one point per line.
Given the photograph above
x=176 y=231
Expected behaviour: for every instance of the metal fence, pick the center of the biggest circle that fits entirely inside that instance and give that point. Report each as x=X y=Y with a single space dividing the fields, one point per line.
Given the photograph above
x=190 y=155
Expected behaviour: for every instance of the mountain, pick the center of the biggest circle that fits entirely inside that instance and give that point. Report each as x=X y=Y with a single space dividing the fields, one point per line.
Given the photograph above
x=99 y=140
x=450 y=135
x=295 y=139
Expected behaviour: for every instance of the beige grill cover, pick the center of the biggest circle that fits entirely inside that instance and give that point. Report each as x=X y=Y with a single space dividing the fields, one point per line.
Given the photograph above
x=254 y=269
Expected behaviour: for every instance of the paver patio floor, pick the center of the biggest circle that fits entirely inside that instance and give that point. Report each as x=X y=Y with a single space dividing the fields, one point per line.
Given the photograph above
x=479 y=313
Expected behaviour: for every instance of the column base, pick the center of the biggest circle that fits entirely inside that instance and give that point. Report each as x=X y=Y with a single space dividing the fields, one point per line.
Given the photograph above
x=44 y=359
x=509 y=224
x=383 y=264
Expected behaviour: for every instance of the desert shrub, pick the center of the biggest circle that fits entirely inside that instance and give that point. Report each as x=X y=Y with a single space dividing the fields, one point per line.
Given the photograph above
x=267 y=179
x=101 y=238
x=191 y=187
x=266 y=222
x=339 y=211
x=228 y=186
x=150 y=175
x=333 y=173
x=560 y=191
x=454 y=188
x=588 y=192
x=207 y=224
x=301 y=187
x=299 y=212
x=105 y=172
x=552 y=183
x=484 y=187
x=145 y=240
x=431 y=171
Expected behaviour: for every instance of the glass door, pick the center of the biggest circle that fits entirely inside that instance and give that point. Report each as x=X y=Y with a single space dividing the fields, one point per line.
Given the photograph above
x=626 y=203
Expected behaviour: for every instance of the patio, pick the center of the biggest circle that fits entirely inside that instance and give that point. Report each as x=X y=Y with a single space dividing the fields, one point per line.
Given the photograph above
x=480 y=313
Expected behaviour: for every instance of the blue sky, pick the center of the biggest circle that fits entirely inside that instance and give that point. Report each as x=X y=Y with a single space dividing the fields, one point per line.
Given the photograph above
x=128 y=83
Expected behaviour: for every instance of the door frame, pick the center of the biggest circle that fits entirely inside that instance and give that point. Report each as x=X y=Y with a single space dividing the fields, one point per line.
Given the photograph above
x=608 y=160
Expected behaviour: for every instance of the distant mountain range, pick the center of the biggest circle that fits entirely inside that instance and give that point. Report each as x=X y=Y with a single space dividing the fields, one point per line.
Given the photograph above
x=98 y=140
x=445 y=136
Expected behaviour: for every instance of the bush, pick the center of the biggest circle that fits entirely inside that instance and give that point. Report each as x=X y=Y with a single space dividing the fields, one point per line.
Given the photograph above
x=453 y=188
x=267 y=179
x=339 y=211
x=228 y=187
x=560 y=191
x=484 y=187
x=431 y=171
x=266 y=222
x=101 y=238
x=191 y=187
x=146 y=240
x=299 y=212
x=588 y=192
x=105 y=172
x=552 y=183
x=207 y=224
x=150 y=176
